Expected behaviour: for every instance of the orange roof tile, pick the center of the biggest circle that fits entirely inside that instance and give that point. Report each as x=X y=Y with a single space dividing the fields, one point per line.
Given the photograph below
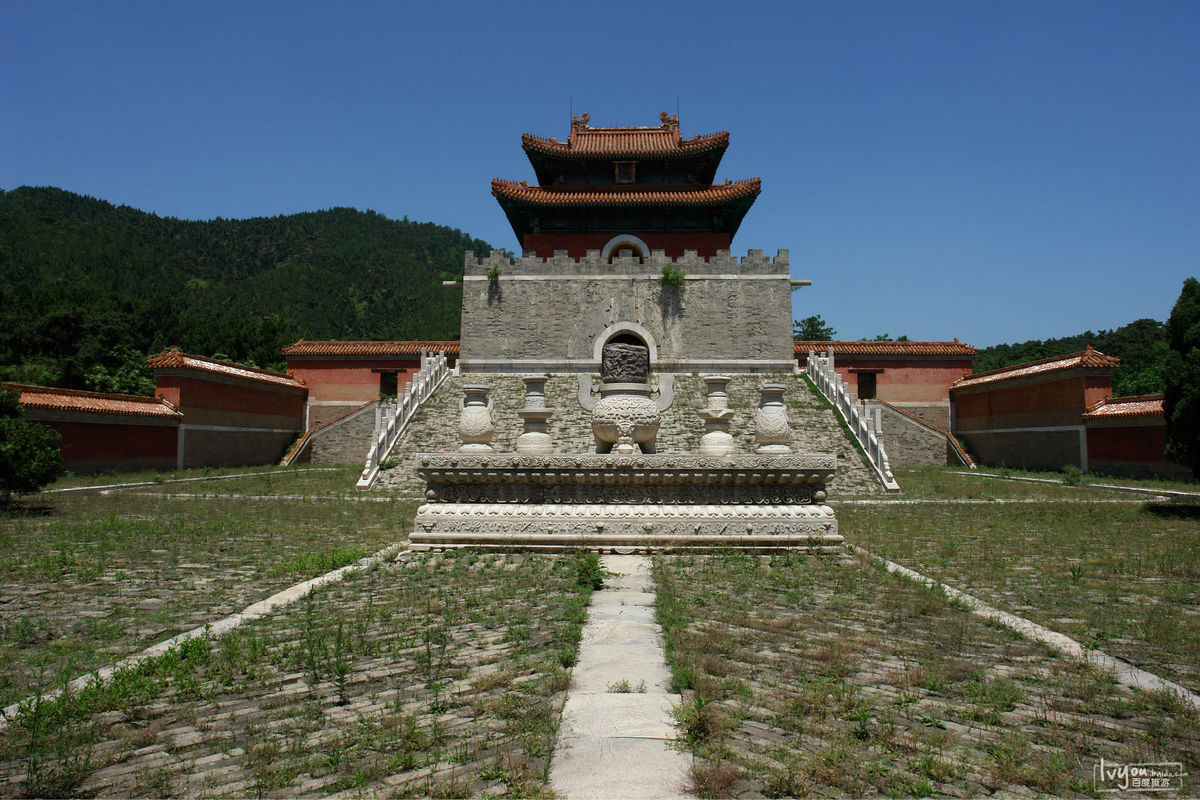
x=1088 y=358
x=627 y=196
x=1142 y=405
x=954 y=348
x=662 y=141
x=174 y=359
x=48 y=398
x=335 y=348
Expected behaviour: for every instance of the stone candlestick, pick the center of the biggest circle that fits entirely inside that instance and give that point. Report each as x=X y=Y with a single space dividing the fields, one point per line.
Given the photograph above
x=535 y=435
x=716 y=440
x=771 y=429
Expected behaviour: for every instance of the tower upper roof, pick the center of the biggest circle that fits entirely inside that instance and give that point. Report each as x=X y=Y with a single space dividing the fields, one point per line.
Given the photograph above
x=648 y=141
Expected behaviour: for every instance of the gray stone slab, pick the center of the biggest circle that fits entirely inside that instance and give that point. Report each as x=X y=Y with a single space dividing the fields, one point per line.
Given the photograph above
x=619 y=768
x=614 y=744
x=603 y=716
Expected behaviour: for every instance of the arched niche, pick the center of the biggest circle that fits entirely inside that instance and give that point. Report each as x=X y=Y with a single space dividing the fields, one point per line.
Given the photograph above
x=625 y=332
x=625 y=242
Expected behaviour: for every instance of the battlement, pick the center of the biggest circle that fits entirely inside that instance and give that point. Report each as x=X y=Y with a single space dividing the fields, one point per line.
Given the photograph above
x=594 y=263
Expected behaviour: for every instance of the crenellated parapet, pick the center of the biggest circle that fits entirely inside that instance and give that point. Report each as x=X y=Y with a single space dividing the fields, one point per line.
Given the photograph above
x=595 y=263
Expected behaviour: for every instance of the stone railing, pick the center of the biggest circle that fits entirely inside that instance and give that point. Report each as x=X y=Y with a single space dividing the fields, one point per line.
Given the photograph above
x=865 y=426
x=390 y=420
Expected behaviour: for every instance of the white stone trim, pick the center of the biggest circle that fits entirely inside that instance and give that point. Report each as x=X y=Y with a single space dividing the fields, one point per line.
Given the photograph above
x=641 y=276
x=508 y=366
x=625 y=238
x=1045 y=429
x=235 y=429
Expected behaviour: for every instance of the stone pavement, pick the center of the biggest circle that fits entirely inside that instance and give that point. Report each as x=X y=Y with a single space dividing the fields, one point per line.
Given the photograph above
x=613 y=739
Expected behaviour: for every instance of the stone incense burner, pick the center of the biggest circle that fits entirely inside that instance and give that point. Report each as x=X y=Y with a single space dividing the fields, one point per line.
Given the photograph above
x=626 y=414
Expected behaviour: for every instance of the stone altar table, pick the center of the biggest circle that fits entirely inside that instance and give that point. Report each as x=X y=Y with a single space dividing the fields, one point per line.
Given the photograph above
x=625 y=504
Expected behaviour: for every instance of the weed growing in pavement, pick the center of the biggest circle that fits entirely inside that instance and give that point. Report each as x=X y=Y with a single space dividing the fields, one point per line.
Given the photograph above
x=873 y=685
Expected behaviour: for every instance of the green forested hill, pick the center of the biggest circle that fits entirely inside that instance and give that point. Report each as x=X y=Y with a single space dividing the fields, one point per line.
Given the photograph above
x=88 y=289
x=1141 y=345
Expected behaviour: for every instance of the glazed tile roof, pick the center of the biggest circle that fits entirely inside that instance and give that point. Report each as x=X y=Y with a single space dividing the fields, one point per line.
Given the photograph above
x=627 y=196
x=660 y=141
x=1088 y=358
x=1143 y=405
x=378 y=349
x=954 y=348
x=174 y=359
x=46 y=398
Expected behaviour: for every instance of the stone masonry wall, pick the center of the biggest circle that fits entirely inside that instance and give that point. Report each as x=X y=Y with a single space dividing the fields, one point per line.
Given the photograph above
x=1050 y=449
x=347 y=440
x=547 y=314
x=909 y=443
x=815 y=427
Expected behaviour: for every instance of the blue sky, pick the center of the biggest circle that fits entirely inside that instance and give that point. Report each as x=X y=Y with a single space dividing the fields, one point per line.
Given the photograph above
x=995 y=171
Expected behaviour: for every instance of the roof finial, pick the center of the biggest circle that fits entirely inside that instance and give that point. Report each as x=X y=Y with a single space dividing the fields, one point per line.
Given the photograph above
x=669 y=122
x=579 y=123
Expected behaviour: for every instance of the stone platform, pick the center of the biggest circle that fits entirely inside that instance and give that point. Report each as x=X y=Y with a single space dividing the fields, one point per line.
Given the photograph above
x=625 y=504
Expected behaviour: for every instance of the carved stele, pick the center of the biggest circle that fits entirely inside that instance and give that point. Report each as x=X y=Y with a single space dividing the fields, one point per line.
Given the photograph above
x=625 y=503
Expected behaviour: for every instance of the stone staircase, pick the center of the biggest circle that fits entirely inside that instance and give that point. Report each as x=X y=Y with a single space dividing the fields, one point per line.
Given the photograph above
x=815 y=426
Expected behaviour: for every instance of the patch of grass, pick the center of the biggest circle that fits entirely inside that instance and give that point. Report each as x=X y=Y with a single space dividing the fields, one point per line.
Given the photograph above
x=1122 y=576
x=101 y=576
x=875 y=685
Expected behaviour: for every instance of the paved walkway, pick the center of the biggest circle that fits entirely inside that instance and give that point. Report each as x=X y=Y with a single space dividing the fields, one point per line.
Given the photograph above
x=612 y=741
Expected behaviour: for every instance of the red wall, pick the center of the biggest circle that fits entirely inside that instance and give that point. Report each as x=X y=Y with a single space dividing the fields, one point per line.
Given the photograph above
x=88 y=446
x=905 y=380
x=706 y=245
x=1133 y=443
x=191 y=395
x=350 y=379
x=1051 y=402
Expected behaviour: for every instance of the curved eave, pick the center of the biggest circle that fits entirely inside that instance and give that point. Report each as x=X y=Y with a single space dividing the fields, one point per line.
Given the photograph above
x=725 y=206
x=603 y=146
x=640 y=197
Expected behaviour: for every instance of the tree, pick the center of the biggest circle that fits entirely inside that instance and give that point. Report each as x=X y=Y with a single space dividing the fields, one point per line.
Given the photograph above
x=812 y=329
x=1181 y=398
x=29 y=456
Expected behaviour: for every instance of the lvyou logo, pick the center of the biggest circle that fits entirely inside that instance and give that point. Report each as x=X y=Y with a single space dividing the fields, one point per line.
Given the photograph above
x=1113 y=776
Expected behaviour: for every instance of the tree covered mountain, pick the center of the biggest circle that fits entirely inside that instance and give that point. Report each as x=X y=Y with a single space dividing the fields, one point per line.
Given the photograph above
x=88 y=289
x=1141 y=345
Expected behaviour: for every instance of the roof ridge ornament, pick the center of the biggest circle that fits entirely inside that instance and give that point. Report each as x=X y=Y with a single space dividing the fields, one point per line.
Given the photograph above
x=579 y=123
x=670 y=122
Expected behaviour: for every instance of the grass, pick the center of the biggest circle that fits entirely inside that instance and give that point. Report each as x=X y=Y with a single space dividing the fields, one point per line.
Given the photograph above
x=1124 y=578
x=806 y=676
x=87 y=578
x=161 y=476
x=444 y=675
x=402 y=672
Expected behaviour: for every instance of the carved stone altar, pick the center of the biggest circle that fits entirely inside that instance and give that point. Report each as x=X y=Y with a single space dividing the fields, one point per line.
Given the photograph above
x=625 y=503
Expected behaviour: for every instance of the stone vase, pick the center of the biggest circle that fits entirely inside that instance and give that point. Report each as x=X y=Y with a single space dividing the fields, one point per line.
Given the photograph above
x=717 y=415
x=535 y=433
x=475 y=426
x=771 y=428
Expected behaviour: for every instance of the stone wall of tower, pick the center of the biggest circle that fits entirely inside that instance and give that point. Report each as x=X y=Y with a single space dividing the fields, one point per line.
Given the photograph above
x=533 y=314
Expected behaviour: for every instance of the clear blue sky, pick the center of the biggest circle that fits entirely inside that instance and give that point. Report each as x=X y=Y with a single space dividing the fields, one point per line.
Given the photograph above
x=995 y=171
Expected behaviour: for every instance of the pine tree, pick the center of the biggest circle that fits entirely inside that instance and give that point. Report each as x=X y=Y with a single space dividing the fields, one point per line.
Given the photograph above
x=29 y=456
x=1181 y=401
